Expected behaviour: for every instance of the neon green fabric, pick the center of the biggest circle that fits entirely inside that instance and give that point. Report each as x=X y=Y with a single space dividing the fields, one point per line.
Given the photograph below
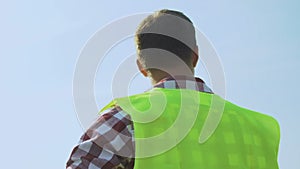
x=168 y=124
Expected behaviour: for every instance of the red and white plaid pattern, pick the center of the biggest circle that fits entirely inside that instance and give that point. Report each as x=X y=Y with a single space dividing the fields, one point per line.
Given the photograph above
x=109 y=142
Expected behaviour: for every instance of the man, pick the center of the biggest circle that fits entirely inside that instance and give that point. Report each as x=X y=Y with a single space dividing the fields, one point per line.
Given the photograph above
x=161 y=127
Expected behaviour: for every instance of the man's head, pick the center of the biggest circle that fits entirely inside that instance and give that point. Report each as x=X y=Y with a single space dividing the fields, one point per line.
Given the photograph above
x=166 y=41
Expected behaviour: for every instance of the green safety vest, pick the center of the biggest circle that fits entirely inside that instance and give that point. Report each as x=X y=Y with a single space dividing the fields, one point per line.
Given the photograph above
x=187 y=129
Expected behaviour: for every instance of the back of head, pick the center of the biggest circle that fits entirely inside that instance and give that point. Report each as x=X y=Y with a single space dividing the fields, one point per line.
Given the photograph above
x=166 y=39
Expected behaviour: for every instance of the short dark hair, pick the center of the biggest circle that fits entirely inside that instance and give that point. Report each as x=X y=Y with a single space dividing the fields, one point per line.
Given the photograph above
x=168 y=30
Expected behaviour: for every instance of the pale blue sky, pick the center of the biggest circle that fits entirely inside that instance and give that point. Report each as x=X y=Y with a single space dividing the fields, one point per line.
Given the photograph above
x=258 y=44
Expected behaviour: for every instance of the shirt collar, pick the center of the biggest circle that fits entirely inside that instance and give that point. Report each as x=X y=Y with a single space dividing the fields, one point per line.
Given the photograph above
x=183 y=82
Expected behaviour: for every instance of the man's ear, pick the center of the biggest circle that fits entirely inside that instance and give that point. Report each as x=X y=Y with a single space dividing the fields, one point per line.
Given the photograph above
x=195 y=56
x=141 y=68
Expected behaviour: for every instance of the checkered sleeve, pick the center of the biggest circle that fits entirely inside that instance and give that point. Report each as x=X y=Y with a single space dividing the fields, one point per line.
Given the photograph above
x=107 y=144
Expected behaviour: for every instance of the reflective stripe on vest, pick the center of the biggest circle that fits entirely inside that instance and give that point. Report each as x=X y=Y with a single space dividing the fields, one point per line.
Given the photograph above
x=168 y=124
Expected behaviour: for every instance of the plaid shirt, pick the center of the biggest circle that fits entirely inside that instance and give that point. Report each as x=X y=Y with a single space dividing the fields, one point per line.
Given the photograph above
x=114 y=131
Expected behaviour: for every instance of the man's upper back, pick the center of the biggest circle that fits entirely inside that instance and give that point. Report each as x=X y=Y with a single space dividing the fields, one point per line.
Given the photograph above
x=168 y=124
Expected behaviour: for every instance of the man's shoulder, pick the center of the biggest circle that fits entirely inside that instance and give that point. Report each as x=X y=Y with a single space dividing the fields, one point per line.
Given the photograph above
x=251 y=117
x=114 y=114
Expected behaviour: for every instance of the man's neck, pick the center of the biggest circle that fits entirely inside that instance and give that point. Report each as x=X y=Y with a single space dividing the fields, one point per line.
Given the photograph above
x=157 y=75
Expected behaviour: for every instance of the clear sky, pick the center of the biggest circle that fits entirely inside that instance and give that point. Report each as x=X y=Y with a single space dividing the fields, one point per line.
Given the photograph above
x=257 y=41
